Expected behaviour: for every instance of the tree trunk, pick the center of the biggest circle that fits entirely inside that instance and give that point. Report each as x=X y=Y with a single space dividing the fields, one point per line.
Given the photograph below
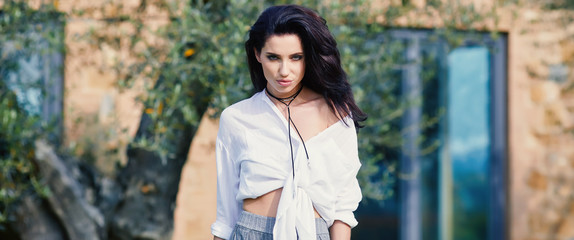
x=80 y=219
x=35 y=222
x=150 y=186
x=138 y=204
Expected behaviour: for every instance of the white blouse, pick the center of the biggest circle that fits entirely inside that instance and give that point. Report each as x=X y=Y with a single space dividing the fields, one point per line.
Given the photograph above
x=254 y=157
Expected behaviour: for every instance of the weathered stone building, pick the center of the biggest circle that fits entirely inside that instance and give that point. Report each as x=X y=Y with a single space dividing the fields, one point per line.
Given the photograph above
x=539 y=108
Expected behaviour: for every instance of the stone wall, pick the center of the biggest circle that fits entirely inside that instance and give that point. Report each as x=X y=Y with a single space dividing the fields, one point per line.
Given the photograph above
x=540 y=111
x=196 y=199
x=99 y=117
x=541 y=120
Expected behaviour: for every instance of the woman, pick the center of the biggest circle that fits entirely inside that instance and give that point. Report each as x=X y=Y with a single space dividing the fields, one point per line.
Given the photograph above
x=287 y=157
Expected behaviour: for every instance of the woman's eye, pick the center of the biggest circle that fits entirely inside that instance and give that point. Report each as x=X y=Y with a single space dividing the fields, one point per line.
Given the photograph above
x=272 y=57
x=297 y=57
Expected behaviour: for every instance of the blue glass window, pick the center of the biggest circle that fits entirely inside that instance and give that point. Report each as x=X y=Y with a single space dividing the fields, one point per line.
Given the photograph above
x=468 y=141
x=454 y=189
x=31 y=68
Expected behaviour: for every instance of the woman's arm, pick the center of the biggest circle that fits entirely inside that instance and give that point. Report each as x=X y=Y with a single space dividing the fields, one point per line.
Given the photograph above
x=216 y=238
x=228 y=208
x=340 y=231
x=349 y=196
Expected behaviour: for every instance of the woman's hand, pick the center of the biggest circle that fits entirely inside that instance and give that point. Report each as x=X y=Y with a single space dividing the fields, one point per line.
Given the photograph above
x=340 y=231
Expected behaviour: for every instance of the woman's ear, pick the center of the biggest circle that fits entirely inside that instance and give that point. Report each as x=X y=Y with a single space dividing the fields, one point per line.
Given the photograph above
x=256 y=55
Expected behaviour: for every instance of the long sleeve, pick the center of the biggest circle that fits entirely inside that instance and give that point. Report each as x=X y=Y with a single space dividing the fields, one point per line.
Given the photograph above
x=350 y=195
x=228 y=208
x=347 y=202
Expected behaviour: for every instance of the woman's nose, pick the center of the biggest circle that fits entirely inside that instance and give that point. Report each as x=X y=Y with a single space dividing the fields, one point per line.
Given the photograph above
x=284 y=69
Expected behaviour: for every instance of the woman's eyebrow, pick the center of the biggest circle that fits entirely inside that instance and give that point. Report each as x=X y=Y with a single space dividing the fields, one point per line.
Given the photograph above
x=272 y=53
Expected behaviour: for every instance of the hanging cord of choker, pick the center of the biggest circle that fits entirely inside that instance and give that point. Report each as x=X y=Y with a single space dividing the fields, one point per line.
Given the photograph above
x=287 y=101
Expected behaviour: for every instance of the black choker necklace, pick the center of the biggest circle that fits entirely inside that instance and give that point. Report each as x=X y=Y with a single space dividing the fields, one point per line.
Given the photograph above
x=287 y=101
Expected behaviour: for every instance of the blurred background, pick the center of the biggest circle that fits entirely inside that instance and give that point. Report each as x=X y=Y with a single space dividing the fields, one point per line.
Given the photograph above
x=109 y=113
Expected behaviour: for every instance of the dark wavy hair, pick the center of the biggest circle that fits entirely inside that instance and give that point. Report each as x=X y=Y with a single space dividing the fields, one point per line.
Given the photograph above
x=323 y=71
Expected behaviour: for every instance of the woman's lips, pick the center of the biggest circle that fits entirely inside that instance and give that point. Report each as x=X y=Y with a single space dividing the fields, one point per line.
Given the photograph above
x=284 y=83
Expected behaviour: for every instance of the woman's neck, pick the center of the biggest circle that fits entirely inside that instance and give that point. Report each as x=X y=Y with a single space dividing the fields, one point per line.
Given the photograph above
x=285 y=98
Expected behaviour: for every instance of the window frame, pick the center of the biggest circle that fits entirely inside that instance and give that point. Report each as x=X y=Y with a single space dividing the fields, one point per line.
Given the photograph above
x=411 y=211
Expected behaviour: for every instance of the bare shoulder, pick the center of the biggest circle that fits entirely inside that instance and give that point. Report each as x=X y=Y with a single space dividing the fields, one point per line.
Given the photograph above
x=320 y=105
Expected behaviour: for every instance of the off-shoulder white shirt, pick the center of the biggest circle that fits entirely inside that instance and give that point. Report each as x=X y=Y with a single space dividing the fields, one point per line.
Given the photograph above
x=254 y=157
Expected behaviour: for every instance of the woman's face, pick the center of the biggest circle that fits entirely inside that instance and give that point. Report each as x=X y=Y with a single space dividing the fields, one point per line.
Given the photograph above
x=283 y=64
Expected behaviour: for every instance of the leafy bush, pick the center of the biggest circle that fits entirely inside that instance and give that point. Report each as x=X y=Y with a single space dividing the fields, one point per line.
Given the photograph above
x=206 y=68
x=20 y=30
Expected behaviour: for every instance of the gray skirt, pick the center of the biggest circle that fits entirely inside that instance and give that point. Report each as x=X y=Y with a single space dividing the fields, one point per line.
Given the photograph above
x=255 y=227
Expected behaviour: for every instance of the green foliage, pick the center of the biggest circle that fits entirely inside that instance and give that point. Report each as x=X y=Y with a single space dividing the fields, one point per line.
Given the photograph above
x=17 y=17
x=21 y=29
x=204 y=67
x=18 y=131
x=557 y=4
x=372 y=69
